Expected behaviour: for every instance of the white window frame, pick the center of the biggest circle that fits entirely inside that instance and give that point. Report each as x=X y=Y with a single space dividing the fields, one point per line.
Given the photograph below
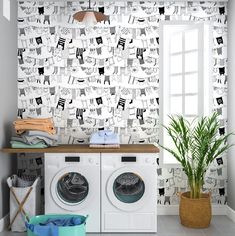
x=205 y=77
x=6 y=9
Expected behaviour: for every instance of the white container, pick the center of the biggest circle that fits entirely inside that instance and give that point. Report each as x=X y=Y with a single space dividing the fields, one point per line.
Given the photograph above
x=32 y=204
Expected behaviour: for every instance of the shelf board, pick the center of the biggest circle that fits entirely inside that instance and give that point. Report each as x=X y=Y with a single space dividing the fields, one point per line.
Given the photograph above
x=82 y=148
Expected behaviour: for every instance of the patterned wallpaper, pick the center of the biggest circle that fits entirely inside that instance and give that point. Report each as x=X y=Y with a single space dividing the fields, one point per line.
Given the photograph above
x=107 y=76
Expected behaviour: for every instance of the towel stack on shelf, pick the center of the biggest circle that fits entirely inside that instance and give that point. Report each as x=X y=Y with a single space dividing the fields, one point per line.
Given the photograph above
x=34 y=133
x=104 y=139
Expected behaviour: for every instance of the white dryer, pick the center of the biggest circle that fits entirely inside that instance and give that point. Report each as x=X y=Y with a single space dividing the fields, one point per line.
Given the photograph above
x=72 y=185
x=129 y=192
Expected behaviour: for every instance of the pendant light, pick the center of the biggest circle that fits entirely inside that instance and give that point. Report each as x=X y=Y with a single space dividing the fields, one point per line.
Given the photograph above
x=89 y=16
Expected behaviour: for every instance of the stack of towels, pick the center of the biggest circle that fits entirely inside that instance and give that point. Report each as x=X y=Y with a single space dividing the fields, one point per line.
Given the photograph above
x=104 y=139
x=34 y=133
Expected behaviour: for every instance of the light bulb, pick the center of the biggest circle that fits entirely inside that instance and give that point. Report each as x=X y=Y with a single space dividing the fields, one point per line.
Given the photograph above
x=89 y=19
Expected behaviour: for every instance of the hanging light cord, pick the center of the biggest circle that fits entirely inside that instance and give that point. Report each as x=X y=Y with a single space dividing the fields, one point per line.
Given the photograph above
x=89 y=4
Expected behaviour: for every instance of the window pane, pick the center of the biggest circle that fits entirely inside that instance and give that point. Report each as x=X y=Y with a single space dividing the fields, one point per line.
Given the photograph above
x=191 y=61
x=191 y=83
x=190 y=119
x=185 y=78
x=176 y=84
x=191 y=105
x=191 y=39
x=176 y=64
x=168 y=158
x=176 y=43
x=176 y=105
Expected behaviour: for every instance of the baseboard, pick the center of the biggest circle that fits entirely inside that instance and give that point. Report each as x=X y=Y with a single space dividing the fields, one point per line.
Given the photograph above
x=4 y=222
x=231 y=213
x=219 y=210
x=174 y=210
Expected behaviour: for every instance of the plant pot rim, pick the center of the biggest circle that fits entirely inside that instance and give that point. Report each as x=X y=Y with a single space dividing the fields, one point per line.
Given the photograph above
x=202 y=197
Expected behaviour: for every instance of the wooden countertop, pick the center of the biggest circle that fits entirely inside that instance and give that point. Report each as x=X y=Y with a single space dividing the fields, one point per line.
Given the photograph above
x=124 y=148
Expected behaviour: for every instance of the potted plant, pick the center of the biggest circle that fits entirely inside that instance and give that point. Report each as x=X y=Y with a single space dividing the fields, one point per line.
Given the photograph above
x=196 y=146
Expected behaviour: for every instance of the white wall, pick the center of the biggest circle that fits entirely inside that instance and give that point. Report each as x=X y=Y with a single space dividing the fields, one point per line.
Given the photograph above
x=8 y=96
x=231 y=101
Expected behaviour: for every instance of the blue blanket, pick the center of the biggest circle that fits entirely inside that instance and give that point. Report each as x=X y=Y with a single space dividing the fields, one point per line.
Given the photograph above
x=51 y=226
x=63 y=222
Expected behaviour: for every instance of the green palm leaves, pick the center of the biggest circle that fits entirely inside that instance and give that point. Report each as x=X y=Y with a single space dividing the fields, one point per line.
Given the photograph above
x=197 y=145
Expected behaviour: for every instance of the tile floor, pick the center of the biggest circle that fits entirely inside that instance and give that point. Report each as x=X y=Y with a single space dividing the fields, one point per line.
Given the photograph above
x=170 y=226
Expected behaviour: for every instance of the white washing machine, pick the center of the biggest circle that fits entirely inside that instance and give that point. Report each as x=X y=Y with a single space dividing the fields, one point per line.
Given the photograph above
x=72 y=185
x=129 y=192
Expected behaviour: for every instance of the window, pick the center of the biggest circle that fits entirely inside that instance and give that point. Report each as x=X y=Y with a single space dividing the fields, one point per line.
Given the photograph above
x=7 y=9
x=185 y=74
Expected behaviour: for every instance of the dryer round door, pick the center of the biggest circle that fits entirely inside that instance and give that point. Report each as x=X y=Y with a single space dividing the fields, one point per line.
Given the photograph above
x=128 y=188
x=70 y=188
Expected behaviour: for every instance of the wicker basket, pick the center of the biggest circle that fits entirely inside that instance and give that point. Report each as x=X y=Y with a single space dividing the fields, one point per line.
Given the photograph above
x=195 y=213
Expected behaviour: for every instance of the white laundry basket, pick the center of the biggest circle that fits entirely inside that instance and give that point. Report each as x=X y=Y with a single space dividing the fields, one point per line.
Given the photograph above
x=27 y=192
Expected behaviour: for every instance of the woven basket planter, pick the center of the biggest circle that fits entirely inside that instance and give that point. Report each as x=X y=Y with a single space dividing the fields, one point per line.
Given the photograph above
x=195 y=213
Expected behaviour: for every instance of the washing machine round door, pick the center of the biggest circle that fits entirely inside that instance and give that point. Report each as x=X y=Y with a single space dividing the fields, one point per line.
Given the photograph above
x=127 y=188
x=70 y=188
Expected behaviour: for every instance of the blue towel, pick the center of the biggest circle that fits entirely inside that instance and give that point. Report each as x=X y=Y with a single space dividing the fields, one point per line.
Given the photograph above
x=40 y=230
x=63 y=222
x=104 y=137
x=51 y=226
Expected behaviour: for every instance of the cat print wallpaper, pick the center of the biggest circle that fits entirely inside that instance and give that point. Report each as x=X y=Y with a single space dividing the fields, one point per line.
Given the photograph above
x=107 y=76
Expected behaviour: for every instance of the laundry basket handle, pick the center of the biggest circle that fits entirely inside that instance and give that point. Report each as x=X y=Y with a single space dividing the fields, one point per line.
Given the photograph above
x=26 y=218
x=85 y=219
